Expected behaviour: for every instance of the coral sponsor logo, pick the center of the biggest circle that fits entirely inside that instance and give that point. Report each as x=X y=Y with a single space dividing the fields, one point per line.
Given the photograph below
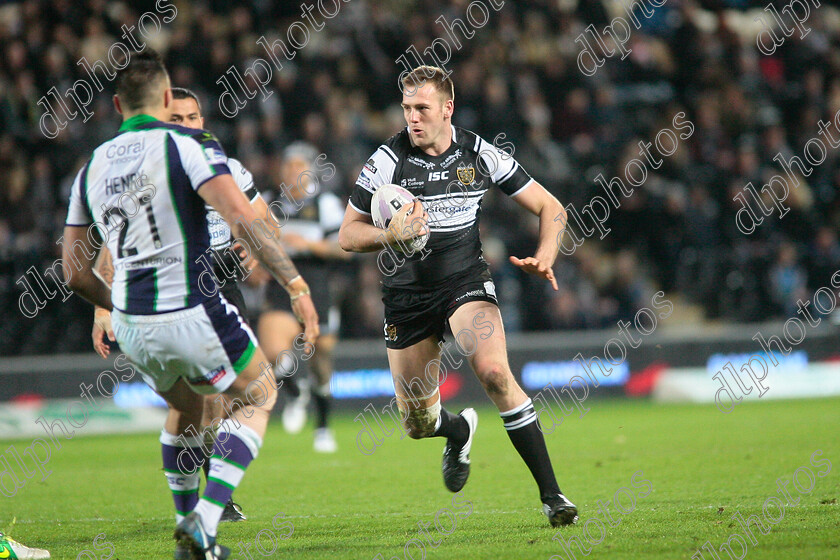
x=129 y=151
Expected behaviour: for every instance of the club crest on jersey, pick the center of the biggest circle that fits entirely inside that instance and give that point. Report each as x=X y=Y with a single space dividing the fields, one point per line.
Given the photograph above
x=466 y=175
x=390 y=332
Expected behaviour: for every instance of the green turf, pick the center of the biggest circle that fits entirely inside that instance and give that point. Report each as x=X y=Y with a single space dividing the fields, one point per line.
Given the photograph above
x=704 y=467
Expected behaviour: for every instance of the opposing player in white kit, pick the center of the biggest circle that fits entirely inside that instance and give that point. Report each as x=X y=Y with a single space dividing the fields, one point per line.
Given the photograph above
x=185 y=110
x=145 y=192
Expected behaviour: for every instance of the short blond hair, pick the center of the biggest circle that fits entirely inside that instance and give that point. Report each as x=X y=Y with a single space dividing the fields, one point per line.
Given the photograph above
x=429 y=74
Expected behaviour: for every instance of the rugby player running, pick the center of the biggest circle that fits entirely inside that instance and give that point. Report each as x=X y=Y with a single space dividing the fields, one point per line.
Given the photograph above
x=183 y=341
x=449 y=280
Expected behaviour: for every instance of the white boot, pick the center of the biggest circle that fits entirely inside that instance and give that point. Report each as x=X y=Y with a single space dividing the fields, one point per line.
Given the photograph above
x=294 y=413
x=325 y=441
x=10 y=548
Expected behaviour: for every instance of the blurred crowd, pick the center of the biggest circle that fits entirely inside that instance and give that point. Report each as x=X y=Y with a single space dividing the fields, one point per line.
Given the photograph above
x=518 y=75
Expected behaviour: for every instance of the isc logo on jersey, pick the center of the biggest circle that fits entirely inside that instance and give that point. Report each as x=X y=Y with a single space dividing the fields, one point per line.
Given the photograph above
x=438 y=175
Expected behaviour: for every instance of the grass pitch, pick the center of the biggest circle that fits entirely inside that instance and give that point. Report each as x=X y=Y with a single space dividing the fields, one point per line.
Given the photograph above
x=703 y=466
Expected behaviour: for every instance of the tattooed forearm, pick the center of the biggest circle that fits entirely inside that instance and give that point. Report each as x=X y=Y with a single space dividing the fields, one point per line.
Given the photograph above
x=268 y=251
x=277 y=261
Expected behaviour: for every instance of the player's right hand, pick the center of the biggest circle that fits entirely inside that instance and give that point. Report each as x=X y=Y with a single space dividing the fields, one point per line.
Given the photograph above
x=411 y=221
x=101 y=326
x=304 y=310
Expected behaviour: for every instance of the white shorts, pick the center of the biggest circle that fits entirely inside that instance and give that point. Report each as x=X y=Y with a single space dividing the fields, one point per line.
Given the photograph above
x=207 y=345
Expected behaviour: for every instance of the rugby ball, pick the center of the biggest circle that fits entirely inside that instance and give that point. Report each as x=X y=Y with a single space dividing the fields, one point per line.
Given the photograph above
x=386 y=202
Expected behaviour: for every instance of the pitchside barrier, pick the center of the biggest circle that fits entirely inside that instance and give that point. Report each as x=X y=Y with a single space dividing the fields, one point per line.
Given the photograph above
x=721 y=365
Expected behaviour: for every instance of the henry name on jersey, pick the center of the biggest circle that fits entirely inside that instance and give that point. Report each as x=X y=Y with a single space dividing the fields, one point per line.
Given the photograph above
x=135 y=192
x=120 y=184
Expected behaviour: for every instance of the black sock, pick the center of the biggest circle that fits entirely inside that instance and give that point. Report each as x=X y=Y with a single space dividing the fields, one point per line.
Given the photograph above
x=453 y=426
x=322 y=407
x=525 y=434
x=290 y=385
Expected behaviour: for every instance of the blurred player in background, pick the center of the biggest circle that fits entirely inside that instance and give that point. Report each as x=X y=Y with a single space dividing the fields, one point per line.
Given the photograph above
x=450 y=169
x=225 y=263
x=145 y=190
x=310 y=235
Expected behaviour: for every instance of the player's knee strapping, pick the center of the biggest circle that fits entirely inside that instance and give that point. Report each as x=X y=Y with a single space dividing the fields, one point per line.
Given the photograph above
x=422 y=422
x=236 y=440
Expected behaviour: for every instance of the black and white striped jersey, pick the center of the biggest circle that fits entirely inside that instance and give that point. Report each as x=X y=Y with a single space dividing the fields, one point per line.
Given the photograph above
x=451 y=187
x=315 y=218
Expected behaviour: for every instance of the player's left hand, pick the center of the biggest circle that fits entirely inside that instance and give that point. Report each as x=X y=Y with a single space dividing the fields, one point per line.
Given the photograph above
x=532 y=265
x=101 y=327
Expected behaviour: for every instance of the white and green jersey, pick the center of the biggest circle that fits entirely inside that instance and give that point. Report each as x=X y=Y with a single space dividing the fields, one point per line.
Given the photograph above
x=140 y=189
